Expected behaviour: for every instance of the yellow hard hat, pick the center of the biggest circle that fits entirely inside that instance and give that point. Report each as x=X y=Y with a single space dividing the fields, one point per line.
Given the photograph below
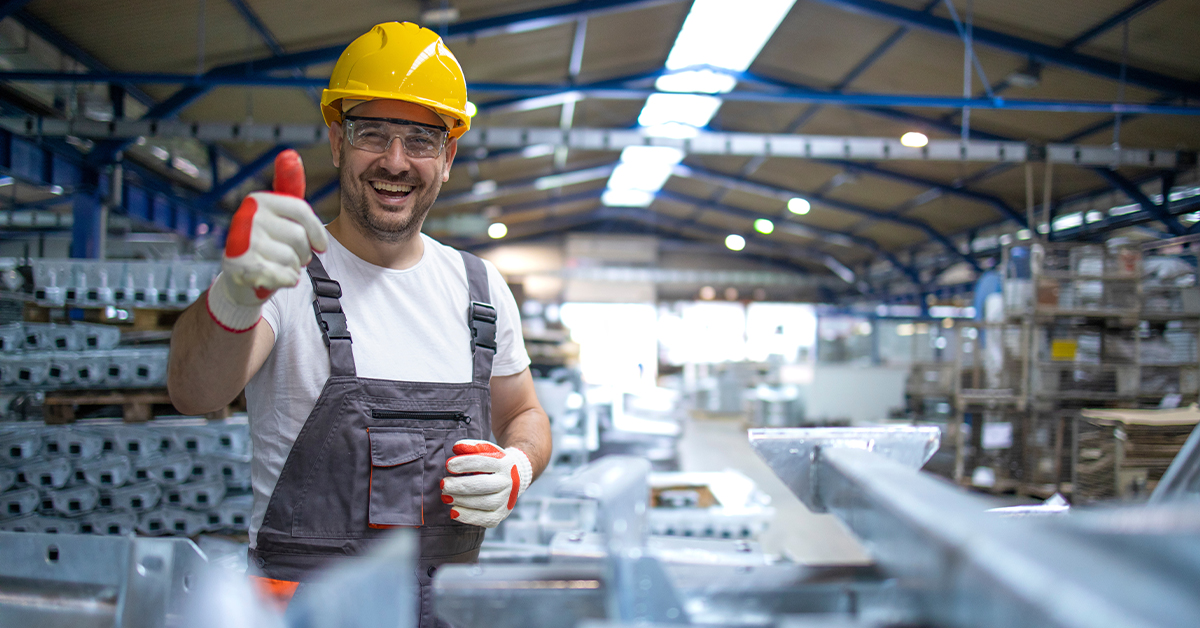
x=399 y=61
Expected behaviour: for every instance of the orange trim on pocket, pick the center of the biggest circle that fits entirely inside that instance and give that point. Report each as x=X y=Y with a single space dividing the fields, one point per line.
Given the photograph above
x=277 y=592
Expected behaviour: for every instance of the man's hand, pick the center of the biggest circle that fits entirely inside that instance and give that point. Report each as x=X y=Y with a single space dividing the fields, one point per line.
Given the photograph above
x=271 y=237
x=486 y=497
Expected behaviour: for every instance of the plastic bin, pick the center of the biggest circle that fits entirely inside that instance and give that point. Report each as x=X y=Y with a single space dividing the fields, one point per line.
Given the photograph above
x=108 y=472
x=133 y=497
x=76 y=500
x=45 y=473
x=12 y=337
x=164 y=521
x=41 y=524
x=93 y=337
x=195 y=495
x=72 y=443
x=20 y=445
x=19 y=502
x=30 y=369
x=110 y=523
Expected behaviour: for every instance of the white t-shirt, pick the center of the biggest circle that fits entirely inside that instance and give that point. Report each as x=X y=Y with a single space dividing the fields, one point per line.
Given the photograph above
x=408 y=325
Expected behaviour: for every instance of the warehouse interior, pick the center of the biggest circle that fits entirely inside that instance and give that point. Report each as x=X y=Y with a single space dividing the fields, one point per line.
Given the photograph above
x=842 y=312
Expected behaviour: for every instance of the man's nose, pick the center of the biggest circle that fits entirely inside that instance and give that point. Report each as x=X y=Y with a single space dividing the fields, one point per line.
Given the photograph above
x=394 y=159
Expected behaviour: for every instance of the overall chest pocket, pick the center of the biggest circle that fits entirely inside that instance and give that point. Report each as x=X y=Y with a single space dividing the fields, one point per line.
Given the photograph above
x=397 y=477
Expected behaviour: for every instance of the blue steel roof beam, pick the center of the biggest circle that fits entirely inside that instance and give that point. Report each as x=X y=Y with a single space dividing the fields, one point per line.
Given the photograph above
x=251 y=18
x=71 y=49
x=1024 y=47
x=862 y=241
x=867 y=61
x=526 y=20
x=213 y=196
x=1103 y=27
x=868 y=102
x=8 y=7
x=1134 y=192
x=783 y=195
x=329 y=187
x=987 y=199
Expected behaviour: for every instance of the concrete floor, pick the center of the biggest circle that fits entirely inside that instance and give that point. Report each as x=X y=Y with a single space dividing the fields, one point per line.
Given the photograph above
x=716 y=444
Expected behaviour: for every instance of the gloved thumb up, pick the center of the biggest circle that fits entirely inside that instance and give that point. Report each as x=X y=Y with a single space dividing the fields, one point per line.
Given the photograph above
x=271 y=238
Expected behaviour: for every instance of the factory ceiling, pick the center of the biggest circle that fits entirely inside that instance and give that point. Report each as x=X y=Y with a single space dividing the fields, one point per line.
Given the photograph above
x=1042 y=73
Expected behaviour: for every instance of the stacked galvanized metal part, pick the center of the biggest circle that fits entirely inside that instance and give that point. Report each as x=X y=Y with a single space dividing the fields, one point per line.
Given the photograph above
x=170 y=477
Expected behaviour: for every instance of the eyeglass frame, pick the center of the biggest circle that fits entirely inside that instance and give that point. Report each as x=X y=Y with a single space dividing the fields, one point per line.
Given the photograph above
x=402 y=122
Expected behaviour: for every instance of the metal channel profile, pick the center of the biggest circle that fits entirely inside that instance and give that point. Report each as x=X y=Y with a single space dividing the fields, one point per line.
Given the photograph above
x=964 y=567
x=704 y=143
x=792 y=452
x=81 y=580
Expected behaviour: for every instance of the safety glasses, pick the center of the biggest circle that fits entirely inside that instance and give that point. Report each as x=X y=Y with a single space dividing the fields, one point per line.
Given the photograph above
x=375 y=135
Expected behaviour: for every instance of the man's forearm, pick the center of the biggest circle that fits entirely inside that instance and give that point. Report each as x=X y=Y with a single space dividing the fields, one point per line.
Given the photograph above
x=529 y=432
x=208 y=365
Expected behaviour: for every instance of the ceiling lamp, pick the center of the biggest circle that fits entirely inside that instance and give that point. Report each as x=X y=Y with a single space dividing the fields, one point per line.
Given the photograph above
x=912 y=139
x=762 y=225
x=735 y=242
x=799 y=206
x=497 y=230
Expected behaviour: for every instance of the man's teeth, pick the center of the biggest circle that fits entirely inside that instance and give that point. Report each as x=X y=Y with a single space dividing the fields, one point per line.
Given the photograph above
x=388 y=187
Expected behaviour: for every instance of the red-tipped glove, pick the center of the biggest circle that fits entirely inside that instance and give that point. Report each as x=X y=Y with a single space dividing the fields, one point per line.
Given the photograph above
x=271 y=237
x=486 y=497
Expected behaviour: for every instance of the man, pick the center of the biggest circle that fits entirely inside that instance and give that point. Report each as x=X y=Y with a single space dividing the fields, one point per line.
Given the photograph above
x=375 y=376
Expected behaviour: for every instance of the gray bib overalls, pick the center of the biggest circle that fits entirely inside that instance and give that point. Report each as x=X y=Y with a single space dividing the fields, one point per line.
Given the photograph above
x=372 y=453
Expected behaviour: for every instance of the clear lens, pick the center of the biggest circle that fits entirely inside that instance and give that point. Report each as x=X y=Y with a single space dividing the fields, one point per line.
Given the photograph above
x=376 y=136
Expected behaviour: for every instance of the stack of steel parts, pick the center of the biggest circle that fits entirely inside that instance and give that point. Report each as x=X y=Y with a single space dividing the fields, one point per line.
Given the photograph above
x=723 y=505
x=169 y=477
x=940 y=557
x=129 y=283
x=46 y=356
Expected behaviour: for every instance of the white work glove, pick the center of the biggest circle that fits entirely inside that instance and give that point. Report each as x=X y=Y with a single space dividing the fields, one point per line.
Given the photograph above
x=497 y=478
x=271 y=237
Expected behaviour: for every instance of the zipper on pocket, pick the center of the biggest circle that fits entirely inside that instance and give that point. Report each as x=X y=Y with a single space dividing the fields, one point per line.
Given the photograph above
x=461 y=417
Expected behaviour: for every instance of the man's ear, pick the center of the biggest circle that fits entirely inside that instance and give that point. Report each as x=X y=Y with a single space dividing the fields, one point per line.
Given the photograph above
x=335 y=143
x=451 y=151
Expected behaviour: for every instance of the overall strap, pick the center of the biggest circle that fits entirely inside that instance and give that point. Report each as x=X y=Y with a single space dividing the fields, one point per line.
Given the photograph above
x=331 y=320
x=481 y=318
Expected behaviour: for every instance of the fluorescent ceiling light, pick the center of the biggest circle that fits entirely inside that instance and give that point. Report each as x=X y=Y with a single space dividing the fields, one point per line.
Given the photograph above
x=537 y=150
x=671 y=130
x=799 y=206
x=552 y=181
x=497 y=230
x=483 y=188
x=651 y=155
x=718 y=34
x=691 y=109
x=735 y=242
x=705 y=81
x=912 y=139
x=6 y=180
x=471 y=109
x=627 y=198
x=762 y=225
x=639 y=176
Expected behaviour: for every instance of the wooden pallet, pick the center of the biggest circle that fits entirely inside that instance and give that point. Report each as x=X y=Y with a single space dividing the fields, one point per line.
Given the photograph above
x=137 y=406
x=139 y=319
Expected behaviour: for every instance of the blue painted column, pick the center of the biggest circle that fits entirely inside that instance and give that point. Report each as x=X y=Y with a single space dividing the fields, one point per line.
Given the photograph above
x=88 y=227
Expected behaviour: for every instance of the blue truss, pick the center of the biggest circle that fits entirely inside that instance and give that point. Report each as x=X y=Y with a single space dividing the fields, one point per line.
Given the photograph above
x=1042 y=52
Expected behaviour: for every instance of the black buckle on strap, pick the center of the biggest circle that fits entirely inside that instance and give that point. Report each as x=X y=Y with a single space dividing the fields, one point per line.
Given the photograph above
x=333 y=324
x=483 y=326
x=326 y=288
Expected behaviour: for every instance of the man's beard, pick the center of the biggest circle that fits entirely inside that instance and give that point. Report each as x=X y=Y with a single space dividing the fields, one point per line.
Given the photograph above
x=356 y=202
